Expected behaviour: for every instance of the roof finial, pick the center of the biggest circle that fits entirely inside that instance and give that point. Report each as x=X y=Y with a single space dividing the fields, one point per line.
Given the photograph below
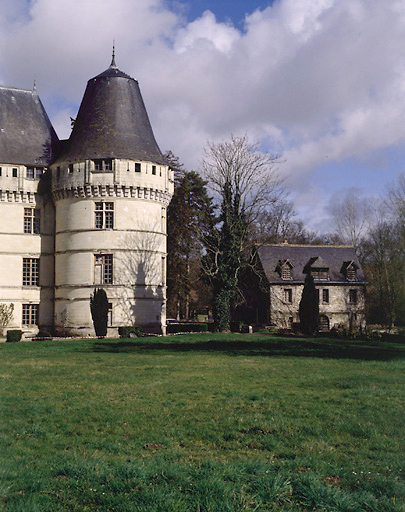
x=34 y=87
x=113 y=65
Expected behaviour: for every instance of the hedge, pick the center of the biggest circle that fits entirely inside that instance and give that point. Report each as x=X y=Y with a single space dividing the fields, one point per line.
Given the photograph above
x=14 y=336
x=186 y=327
x=126 y=331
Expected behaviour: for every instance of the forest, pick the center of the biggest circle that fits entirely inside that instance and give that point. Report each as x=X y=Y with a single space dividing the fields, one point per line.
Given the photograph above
x=238 y=201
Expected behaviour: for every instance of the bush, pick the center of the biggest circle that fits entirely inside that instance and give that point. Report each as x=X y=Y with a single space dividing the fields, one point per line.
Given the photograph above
x=43 y=335
x=127 y=330
x=14 y=336
x=186 y=327
x=99 y=311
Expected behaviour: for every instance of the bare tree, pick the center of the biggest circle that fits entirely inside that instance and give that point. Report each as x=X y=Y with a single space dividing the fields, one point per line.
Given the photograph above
x=249 y=173
x=395 y=197
x=6 y=314
x=278 y=224
x=351 y=220
x=245 y=181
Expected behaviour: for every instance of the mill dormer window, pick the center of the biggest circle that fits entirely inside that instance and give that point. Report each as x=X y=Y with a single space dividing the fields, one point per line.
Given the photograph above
x=284 y=269
x=349 y=270
x=286 y=273
x=321 y=274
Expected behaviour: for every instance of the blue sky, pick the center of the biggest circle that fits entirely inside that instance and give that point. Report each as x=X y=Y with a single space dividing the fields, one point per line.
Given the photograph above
x=319 y=82
x=224 y=10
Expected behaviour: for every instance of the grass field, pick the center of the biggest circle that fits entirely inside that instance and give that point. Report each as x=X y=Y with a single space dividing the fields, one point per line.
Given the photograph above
x=202 y=423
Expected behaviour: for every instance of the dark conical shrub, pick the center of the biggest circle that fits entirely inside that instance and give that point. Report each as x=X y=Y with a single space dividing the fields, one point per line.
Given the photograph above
x=309 y=307
x=99 y=311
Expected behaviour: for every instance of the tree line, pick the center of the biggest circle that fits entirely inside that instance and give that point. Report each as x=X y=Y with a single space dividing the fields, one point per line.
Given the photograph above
x=217 y=219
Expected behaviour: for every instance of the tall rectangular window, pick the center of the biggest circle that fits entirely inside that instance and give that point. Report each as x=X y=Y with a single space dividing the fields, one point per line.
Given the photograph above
x=15 y=172
x=30 y=272
x=288 y=295
x=153 y=169
x=325 y=296
x=30 y=314
x=104 y=215
x=353 y=296
x=137 y=167
x=32 y=220
x=103 y=269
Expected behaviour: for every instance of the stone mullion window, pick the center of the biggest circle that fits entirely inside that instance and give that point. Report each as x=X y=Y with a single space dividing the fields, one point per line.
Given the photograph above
x=104 y=215
x=30 y=314
x=30 y=272
x=103 y=269
x=32 y=221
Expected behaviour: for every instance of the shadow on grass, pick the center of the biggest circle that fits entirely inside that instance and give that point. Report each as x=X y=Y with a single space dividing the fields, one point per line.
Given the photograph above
x=259 y=346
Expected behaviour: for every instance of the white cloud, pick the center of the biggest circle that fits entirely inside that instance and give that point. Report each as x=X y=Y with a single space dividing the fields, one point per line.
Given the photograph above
x=318 y=80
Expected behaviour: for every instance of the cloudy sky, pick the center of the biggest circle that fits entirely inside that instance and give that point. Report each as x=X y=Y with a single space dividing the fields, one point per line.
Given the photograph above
x=320 y=82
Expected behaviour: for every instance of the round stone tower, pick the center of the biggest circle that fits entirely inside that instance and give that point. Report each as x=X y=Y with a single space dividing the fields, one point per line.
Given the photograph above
x=111 y=186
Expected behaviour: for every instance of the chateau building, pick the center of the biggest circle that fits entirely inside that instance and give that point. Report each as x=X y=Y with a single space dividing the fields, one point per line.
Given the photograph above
x=83 y=213
x=338 y=279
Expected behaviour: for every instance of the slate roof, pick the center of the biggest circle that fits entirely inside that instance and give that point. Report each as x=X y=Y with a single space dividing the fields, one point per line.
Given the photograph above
x=26 y=134
x=112 y=122
x=301 y=257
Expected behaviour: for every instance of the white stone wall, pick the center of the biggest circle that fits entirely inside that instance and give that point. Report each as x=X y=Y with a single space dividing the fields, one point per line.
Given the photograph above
x=16 y=194
x=137 y=243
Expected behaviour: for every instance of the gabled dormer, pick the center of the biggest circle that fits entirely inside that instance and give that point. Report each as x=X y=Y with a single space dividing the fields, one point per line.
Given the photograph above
x=318 y=268
x=284 y=269
x=349 y=270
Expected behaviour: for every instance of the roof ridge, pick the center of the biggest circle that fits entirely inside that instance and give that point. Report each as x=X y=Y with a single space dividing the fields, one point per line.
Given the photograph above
x=7 y=87
x=306 y=245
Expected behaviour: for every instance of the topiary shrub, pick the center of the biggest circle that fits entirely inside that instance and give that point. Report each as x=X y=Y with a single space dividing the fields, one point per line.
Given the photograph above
x=309 y=307
x=14 y=336
x=99 y=311
x=126 y=331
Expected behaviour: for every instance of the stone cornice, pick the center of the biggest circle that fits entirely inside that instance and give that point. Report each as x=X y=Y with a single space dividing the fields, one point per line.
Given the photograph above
x=17 y=196
x=100 y=191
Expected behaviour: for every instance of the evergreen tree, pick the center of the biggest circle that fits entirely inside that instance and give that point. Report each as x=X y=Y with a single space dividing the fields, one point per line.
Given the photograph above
x=189 y=219
x=309 y=307
x=99 y=311
x=231 y=237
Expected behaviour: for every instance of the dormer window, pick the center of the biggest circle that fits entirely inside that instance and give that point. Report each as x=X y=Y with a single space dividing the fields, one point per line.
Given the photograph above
x=103 y=164
x=349 y=270
x=321 y=274
x=34 y=173
x=286 y=272
x=284 y=269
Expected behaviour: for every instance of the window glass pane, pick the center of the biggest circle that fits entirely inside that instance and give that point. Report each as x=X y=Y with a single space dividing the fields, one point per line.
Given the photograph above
x=109 y=220
x=99 y=220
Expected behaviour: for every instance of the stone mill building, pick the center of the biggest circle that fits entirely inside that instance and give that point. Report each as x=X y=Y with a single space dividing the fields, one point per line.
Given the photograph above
x=83 y=213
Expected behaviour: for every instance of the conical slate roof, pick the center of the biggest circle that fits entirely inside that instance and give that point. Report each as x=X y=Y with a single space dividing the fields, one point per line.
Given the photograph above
x=112 y=122
x=26 y=134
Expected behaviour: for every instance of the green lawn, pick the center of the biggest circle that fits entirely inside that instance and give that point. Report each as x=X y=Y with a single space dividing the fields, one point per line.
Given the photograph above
x=202 y=423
